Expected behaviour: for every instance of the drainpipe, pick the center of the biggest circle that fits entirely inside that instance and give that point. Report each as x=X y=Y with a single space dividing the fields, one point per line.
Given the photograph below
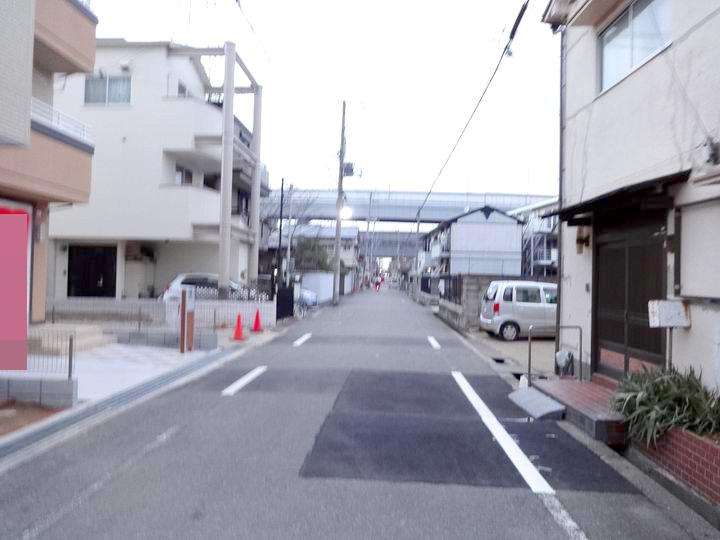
x=561 y=177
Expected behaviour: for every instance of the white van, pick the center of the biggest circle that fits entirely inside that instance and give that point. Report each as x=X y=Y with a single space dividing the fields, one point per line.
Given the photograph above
x=509 y=308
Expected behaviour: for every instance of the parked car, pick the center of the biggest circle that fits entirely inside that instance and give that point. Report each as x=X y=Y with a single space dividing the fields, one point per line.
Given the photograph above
x=198 y=279
x=509 y=308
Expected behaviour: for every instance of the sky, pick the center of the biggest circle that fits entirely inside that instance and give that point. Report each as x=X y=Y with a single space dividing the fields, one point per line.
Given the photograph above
x=411 y=72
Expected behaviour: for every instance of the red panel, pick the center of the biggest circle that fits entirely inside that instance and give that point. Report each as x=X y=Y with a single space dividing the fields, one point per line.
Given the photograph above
x=14 y=227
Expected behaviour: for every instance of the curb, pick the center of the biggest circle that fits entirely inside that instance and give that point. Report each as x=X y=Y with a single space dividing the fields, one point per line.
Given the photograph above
x=21 y=445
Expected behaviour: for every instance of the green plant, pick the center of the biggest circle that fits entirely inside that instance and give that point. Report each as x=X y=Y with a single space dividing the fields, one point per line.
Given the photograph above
x=655 y=401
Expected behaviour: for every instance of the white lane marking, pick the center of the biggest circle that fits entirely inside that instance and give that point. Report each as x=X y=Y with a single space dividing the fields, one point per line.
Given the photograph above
x=299 y=341
x=562 y=517
x=244 y=381
x=434 y=343
x=84 y=495
x=523 y=465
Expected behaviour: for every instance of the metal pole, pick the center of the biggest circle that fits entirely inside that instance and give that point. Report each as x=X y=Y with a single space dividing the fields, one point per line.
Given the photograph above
x=228 y=137
x=368 y=270
x=254 y=259
x=529 y=374
x=71 y=351
x=338 y=217
x=279 y=250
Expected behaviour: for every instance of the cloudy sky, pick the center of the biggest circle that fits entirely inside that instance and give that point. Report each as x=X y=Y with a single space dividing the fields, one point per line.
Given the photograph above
x=411 y=71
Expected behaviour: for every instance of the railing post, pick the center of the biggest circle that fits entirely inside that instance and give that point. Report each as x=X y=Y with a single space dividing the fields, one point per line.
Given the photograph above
x=214 y=318
x=529 y=374
x=139 y=318
x=71 y=351
x=581 y=351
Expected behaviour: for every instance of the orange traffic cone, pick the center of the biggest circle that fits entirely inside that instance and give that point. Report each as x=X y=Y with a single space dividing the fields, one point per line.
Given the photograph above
x=238 y=335
x=257 y=327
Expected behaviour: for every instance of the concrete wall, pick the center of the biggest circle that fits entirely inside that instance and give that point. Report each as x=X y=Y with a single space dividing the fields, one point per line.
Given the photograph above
x=321 y=283
x=16 y=59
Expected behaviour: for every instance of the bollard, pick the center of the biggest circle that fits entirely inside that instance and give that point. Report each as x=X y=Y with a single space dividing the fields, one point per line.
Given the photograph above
x=530 y=331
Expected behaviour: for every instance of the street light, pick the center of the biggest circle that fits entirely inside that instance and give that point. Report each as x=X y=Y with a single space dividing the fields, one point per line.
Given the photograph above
x=346 y=213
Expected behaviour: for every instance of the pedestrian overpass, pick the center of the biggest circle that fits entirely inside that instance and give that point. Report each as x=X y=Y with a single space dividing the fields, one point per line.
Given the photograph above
x=388 y=206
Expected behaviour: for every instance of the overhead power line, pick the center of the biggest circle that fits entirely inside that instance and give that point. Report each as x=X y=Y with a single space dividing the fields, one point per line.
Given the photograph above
x=505 y=52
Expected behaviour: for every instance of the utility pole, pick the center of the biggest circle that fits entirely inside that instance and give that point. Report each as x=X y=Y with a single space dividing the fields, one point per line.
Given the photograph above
x=226 y=172
x=290 y=236
x=339 y=206
x=279 y=250
x=367 y=237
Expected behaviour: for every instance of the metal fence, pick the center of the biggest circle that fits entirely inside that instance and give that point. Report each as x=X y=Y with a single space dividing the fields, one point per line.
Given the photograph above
x=451 y=289
x=51 y=351
x=259 y=292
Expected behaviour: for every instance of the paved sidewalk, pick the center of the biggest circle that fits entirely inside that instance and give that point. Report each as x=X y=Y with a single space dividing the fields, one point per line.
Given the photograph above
x=107 y=370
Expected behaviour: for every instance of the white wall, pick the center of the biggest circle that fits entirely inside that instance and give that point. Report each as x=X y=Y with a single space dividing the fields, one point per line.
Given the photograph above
x=175 y=258
x=486 y=246
x=17 y=30
x=321 y=283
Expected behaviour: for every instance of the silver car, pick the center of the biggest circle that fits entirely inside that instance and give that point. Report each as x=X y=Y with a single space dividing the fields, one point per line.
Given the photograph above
x=509 y=308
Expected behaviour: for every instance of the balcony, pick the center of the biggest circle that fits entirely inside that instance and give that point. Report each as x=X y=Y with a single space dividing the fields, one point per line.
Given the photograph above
x=56 y=167
x=64 y=36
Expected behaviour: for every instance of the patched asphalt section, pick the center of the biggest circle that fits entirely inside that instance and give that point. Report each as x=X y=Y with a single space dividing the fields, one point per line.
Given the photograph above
x=494 y=392
x=407 y=448
x=564 y=462
x=403 y=393
x=407 y=427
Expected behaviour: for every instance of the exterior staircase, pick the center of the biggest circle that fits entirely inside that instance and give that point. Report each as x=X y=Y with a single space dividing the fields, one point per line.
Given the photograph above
x=53 y=339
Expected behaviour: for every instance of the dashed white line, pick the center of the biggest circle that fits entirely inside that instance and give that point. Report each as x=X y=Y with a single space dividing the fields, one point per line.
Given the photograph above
x=522 y=463
x=244 y=381
x=299 y=341
x=434 y=343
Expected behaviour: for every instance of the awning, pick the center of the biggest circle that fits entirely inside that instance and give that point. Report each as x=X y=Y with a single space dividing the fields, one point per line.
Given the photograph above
x=649 y=194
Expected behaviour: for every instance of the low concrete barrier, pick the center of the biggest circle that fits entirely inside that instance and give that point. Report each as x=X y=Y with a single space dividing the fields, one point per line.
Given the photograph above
x=46 y=390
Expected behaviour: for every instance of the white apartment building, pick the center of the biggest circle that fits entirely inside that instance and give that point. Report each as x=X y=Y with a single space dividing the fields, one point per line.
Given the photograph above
x=155 y=206
x=482 y=241
x=640 y=181
x=539 y=238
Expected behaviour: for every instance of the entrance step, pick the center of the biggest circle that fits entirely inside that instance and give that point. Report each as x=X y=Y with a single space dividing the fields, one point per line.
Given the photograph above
x=588 y=407
x=52 y=339
x=604 y=380
x=537 y=404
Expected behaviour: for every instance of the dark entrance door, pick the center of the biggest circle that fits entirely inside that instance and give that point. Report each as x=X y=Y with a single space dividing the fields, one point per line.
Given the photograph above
x=285 y=302
x=91 y=271
x=630 y=270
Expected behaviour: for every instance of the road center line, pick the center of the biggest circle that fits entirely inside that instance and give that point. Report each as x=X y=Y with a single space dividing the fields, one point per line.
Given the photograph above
x=434 y=343
x=244 y=381
x=302 y=340
x=522 y=463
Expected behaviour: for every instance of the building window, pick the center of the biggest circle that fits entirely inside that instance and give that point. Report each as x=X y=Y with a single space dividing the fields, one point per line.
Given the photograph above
x=641 y=31
x=101 y=89
x=183 y=176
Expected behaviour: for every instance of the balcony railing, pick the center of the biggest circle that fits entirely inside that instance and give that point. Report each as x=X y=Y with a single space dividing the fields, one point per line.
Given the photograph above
x=44 y=113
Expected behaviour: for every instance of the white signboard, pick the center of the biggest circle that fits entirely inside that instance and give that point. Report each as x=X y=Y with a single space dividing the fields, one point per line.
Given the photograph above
x=668 y=314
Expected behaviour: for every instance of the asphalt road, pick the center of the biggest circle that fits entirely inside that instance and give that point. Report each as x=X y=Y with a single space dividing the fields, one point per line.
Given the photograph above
x=360 y=427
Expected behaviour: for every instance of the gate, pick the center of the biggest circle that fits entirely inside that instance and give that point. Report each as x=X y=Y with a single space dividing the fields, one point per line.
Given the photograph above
x=285 y=302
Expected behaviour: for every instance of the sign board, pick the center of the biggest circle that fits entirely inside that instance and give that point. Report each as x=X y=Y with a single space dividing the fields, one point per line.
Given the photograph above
x=14 y=268
x=668 y=314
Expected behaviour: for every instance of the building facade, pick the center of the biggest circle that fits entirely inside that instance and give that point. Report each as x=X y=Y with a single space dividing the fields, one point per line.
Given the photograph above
x=482 y=241
x=639 y=192
x=45 y=153
x=539 y=238
x=155 y=211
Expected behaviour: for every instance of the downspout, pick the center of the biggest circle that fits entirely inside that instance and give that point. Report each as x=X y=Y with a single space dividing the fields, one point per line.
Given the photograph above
x=561 y=182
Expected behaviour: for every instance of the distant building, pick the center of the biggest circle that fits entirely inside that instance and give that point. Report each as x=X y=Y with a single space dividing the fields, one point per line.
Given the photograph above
x=482 y=241
x=155 y=209
x=640 y=180
x=45 y=155
x=539 y=238
x=323 y=235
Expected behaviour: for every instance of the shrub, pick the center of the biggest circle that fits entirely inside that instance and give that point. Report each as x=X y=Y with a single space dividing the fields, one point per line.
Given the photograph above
x=655 y=401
